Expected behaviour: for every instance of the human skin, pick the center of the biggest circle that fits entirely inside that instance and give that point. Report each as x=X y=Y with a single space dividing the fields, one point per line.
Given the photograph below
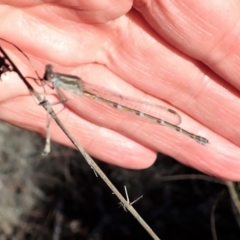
x=181 y=54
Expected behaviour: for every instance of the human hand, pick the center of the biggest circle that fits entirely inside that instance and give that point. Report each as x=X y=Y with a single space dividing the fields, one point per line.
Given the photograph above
x=180 y=54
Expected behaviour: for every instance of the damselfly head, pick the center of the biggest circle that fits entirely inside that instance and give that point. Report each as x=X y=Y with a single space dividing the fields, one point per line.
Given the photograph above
x=49 y=74
x=49 y=68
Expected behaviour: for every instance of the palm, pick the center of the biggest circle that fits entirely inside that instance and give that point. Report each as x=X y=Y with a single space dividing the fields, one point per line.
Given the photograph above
x=120 y=51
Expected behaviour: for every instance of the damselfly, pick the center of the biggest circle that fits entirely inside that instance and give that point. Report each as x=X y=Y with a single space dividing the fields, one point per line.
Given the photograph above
x=154 y=113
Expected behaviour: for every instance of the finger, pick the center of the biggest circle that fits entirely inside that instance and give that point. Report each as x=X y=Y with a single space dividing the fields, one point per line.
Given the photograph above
x=86 y=11
x=116 y=149
x=157 y=137
x=207 y=31
x=211 y=159
x=164 y=140
x=152 y=65
x=47 y=26
x=150 y=135
x=99 y=142
x=93 y=12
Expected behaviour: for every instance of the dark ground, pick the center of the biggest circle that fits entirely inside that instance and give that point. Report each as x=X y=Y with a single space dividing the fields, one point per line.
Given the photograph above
x=59 y=197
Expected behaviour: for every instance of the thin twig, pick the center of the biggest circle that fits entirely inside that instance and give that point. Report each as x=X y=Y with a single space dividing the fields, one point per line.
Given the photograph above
x=229 y=184
x=235 y=200
x=234 y=195
x=47 y=106
x=192 y=177
x=131 y=203
x=212 y=216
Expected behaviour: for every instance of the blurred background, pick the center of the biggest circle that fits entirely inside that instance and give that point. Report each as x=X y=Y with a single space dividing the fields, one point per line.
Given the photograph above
x=58 y=197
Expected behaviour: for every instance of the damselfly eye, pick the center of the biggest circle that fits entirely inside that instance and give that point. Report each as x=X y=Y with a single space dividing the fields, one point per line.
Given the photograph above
x=49 y=68
x=50 y=76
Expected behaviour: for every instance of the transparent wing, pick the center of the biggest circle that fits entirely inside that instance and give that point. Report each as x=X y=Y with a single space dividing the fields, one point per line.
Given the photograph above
x=156 y=111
